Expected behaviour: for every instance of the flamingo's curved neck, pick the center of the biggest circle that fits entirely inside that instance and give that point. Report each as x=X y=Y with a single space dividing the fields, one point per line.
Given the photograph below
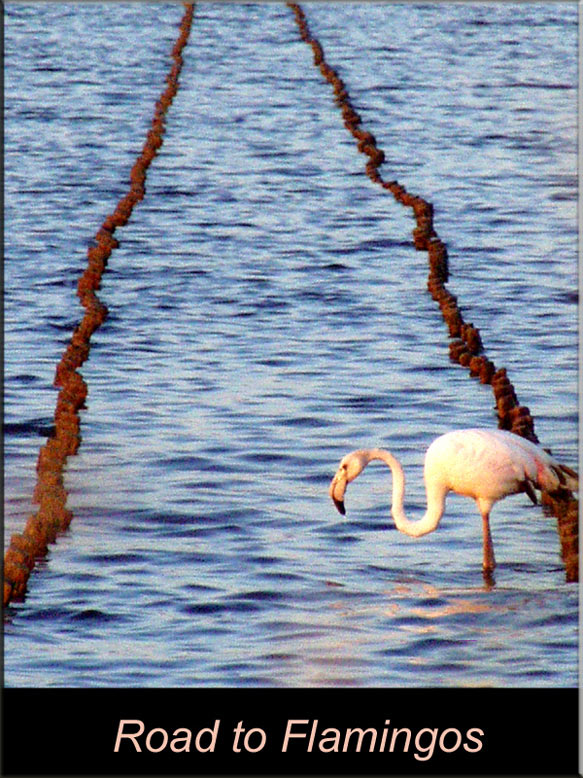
x=435 y=499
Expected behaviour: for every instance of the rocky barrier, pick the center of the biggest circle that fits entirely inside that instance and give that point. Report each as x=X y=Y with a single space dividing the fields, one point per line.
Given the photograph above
x=52 y=516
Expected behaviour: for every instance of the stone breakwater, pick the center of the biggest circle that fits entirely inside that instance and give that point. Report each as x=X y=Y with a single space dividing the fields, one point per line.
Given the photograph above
x=52 y=516
x=465 y=346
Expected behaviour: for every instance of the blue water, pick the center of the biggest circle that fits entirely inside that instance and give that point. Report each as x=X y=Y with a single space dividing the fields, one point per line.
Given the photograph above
x=268 y=313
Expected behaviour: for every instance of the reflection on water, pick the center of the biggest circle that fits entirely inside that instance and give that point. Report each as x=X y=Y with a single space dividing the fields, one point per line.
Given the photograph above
x=268 y=313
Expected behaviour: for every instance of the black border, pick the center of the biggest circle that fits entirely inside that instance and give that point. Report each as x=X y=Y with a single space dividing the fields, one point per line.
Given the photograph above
x=73 y=731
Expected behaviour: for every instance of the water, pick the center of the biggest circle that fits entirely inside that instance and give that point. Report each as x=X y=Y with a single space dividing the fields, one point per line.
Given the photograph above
x=268 y=313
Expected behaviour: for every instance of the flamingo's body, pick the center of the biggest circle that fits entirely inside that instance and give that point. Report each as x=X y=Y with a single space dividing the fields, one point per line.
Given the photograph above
x=486 y=465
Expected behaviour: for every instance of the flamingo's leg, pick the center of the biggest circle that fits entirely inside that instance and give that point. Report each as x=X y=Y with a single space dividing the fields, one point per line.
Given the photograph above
x=489 y=562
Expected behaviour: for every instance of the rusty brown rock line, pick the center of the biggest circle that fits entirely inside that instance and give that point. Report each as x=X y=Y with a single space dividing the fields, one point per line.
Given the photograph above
x=52 y=516
x=465 y=346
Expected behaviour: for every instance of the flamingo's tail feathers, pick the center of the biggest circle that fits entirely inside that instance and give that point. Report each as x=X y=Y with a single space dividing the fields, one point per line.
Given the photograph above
x=529 y=489
x=570 y=477
x=567 y=478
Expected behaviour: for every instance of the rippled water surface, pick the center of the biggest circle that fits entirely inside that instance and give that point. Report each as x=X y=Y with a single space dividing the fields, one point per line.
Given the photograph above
x=268 y=313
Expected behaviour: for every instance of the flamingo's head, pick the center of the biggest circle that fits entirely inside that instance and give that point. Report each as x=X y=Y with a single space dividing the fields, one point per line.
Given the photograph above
x=350 y=467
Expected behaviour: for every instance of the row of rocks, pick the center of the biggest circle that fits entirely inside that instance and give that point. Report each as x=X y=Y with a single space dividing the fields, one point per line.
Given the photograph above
x=52 y=516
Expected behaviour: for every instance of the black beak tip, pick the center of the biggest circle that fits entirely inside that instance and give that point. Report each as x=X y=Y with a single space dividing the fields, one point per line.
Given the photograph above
x=340 y=506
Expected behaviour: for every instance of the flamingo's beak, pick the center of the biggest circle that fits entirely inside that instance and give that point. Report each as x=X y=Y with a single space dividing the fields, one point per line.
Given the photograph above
x=337 y=489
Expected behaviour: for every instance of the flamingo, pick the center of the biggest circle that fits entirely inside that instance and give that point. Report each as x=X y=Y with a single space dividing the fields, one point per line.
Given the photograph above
x=486 y=465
